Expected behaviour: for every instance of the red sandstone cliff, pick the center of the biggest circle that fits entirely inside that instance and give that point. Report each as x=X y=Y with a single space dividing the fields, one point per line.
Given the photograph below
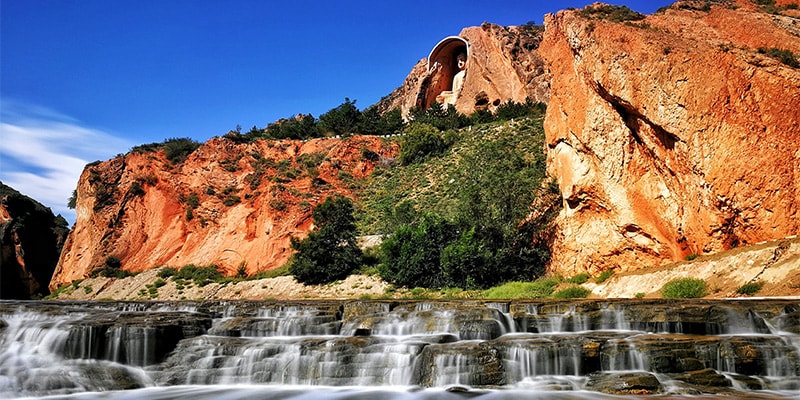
x=503 y=64
x=671 y=135
x=227 y=204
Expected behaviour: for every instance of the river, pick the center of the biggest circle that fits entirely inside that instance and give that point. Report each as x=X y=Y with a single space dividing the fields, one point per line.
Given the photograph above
x=521 y=349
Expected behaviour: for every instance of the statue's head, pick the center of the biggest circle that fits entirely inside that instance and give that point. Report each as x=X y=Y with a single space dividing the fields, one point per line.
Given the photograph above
x=461 y=59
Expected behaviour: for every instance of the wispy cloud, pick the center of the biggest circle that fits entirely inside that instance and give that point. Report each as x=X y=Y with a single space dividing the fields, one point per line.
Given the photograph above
x=42 y=153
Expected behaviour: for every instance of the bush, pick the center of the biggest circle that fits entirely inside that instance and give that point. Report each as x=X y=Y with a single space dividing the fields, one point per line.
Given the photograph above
x=611 y=13
x=750 y=288
x=167 y=272
x=329 y=253
x=604 y=276
x=783 y=55
x=440 y=117
x=411 y=256
x=72 y=202
x=302 y=126
x=273 y=273
x=684 y=288
x=200 y=275
x=231 y=200
x=539 y=289
x=178 y=149
x=572 y=292
x=136 y=189
x=112 y=268
x=421 y=141
x=579 y=279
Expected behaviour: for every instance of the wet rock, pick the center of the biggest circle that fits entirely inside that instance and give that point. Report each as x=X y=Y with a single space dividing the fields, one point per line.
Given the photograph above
x=470 y=363
x=134 y=338
x=704 y=377
x=624 y=383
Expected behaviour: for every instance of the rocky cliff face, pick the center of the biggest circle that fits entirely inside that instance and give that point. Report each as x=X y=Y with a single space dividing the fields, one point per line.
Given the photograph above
x=31 y=238
x=503 y=64
x=671 y=135
x=230 y=204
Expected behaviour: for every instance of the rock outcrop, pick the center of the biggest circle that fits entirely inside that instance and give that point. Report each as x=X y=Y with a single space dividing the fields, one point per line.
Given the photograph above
x=671 y=135
x=31 y=238
x=231 y=204
x=503 y=64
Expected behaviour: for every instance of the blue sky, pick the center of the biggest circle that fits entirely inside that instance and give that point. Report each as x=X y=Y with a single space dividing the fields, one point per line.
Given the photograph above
x=84 y=80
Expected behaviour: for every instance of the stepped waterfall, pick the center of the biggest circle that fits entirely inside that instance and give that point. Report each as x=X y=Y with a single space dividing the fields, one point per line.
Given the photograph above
x=520 y=349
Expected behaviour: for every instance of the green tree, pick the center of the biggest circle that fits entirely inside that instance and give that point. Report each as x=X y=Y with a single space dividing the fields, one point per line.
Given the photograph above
x=341 y=120
x=328 y=253
x=372 y=122
x=178 y=149
x=392 y=122
x=411 y=256
x=72 y=202
x=302 y=126
x=420 y=142
x=440 y=116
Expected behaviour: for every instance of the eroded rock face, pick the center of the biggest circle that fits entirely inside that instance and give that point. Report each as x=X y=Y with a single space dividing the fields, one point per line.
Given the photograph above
x=230 y=204
x=31 y=238
x=671 y=135
x=503 y=65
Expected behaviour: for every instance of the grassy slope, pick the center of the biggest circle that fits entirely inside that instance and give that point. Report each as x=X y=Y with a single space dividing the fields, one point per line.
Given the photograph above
x=432 y=185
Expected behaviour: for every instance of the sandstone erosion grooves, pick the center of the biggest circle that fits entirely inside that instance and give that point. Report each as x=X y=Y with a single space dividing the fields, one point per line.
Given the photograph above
x=503 y=65
x=228 y=204
x=671 y=135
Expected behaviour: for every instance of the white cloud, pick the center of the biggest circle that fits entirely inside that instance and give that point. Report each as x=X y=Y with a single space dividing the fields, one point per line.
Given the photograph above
x=42 y=153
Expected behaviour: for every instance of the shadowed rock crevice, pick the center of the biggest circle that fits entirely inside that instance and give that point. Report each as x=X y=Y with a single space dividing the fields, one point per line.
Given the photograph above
x=31 y=238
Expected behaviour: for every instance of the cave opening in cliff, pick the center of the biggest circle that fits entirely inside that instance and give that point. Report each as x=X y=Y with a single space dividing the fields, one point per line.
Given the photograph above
x=443 y=67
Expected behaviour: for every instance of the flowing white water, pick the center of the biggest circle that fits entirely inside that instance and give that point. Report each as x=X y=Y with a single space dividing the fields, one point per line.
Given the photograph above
x=318 y=350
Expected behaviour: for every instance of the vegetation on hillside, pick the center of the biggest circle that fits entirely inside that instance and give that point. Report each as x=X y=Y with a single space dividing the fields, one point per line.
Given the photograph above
x=456 y=211
x=684 y=288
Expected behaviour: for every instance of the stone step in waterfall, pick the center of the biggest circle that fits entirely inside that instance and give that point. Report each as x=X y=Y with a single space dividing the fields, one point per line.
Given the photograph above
x=584 y=346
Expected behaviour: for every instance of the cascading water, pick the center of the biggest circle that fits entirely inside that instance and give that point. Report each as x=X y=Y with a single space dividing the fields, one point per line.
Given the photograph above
x=519 y=349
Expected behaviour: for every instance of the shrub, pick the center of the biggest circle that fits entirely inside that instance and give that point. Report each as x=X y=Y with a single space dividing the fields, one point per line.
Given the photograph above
x=691 y=257
x=750 y=288
x=538 y=289
x=579 y=279
x=611 y=13
x=684 y=288
x=273 y=273
x=440 y=117
x=200 y=275
x=136 y=189
x=72 y=202
x=277 y=205
x=167 y=272
x=231 y=200
x=112 y=268
x=421 y=141
x=302 y=126
x=604 y=276
x=572 y=292
x=178 y=149
x=411 y=256
x=783 y=55
x=639 y=295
